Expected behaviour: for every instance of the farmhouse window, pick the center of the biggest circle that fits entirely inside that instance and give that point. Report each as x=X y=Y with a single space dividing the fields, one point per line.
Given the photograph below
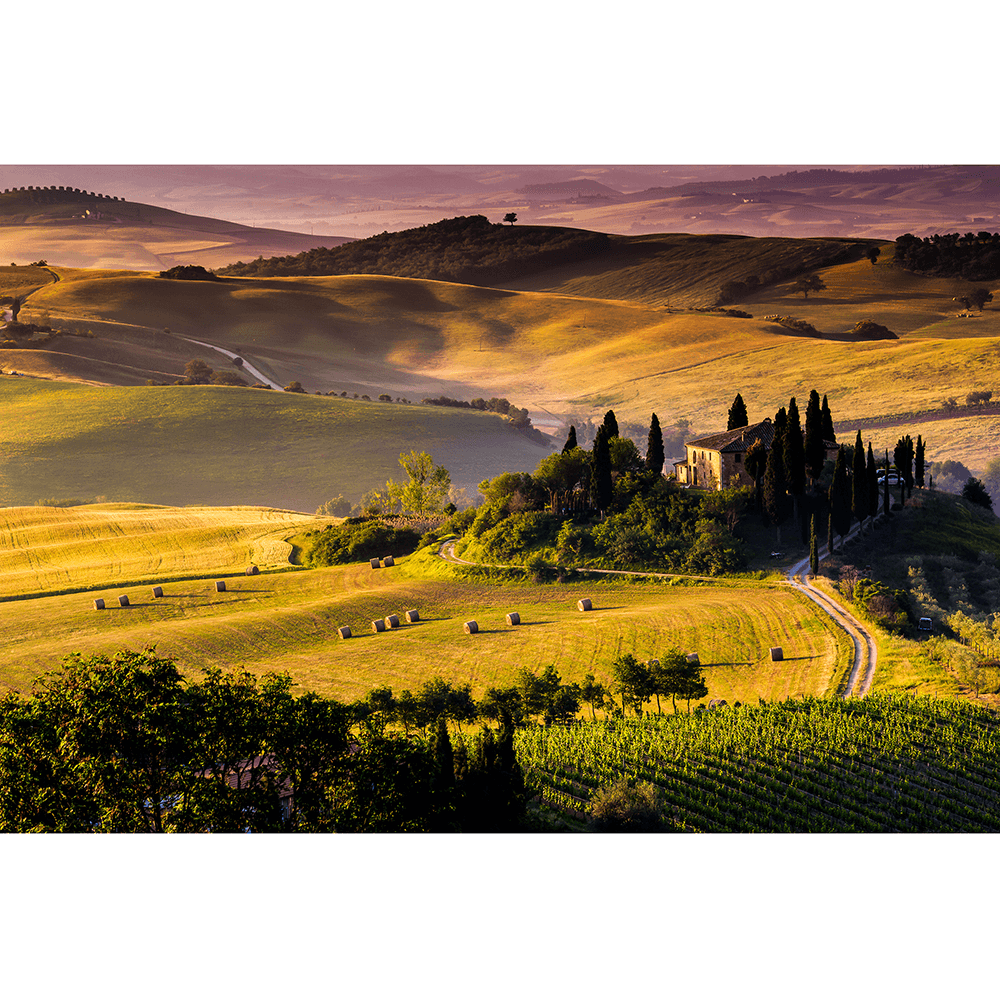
x=737 y=457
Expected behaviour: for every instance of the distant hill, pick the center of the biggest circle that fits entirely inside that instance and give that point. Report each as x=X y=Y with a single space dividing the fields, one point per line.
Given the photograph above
x=472 y=250
x=466 y=249
x=71 y=227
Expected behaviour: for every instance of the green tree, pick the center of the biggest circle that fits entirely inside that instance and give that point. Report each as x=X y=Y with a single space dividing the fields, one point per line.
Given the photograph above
x=428 y=486
x=885 y=486
x=633 y=681
x=873 y=254
x=654 y=447
x=510 y=217
x=665 y=673
x=978 y=298
x=860 y=491
x=975 y=492
x=196 y=372
x=815 y=453
x=611 y=424
x=918 y=462
x=806 y=284
x=793 y=454
x=755 y=462
x=840 y=495
x=593 y=694
x=570 y=440
x=602 y=488
x=737 y=414
x=826 y=422
x=777 y=505
x=902 y=455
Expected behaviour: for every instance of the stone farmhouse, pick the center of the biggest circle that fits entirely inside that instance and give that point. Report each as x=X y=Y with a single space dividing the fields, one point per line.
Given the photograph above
x=716 y=462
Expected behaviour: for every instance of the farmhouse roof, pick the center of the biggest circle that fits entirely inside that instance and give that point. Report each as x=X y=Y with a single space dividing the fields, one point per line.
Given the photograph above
x=737 y=440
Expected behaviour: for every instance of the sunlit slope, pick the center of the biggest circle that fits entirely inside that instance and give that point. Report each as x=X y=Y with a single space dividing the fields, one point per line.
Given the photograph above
x=52 y=549
x=224 y=446
x=685 y=270
x=289 y=621
x=562 y=354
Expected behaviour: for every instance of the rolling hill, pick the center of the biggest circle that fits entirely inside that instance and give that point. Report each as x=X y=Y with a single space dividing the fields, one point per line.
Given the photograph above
x=74 y=228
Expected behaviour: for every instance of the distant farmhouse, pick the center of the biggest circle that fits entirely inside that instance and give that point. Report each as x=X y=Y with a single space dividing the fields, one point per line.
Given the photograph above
x=717 y=462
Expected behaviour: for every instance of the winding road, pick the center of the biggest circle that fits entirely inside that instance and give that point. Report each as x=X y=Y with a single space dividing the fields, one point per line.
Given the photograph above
x=865 y=651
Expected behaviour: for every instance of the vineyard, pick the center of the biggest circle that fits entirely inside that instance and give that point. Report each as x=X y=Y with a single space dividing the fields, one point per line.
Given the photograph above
x=885 y=763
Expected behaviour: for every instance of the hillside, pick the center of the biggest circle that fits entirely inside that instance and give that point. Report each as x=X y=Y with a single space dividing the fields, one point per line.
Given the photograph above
x=565 y=358
x=73 y=228
x=228 y=446
x=689 y=270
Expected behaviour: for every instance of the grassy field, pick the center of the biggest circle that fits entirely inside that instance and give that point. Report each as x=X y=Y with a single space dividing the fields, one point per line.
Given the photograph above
x=228 y=446
x=289 y=621
x=51 y=550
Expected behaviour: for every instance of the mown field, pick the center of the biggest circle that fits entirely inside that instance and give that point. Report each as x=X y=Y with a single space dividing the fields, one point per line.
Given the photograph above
x=289 y=620
x=882 y=764
x=227 y=446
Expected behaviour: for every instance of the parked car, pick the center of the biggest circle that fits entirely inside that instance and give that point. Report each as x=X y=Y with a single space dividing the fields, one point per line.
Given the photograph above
x=894 y=479
x=925 y=625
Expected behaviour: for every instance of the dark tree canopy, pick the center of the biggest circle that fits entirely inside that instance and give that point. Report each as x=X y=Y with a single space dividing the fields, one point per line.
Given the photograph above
x=611 y=424
x=860 y=491
x=808 y=283
x=570 y=439
x=776 y=500
x=794 y=455
x=737 y=414
x=975 y=492
x=603 y=488
x=840 y=494
x=826 y=422
x=815 y=453
x=654 y=446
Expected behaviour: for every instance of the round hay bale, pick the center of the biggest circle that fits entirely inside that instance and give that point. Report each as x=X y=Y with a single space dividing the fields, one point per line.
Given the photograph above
x=413 y=615
x=776 y=654
x=388 y=561
x=471 y=628
x=513 y=618
x=344 y=632
x=378 y=625
x=692 y=658
x=375 y=564
x=252 y=571
x=392 y=621
x=584 y=605
x=220 y=586
x=157 y=592
x=99 y=604
x=123 y=601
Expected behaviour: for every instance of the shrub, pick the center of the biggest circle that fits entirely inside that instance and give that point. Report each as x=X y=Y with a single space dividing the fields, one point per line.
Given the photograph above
x=358 y=539
x=625 y=807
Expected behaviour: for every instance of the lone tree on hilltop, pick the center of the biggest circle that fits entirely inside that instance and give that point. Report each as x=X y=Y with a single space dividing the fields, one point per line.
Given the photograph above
x=808 y=283
x=737 y=414
x=510 y=217
x=873 y=254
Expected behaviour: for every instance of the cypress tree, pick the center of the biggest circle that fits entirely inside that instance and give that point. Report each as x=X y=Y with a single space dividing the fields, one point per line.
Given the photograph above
x=775 y=487
x=840 y=495
x=611 y=424
x=826 y=422
x=755 y=463
x=918 y=459
x=570 y=440
x=872 y=474
x=902 y=455
x=737 y=414
x=815 y=454
x=859 y=481
x=654 y=447
x=603 y=489
x=794 y=451
x=780 y=425
x=829 y=533
x=813 y=548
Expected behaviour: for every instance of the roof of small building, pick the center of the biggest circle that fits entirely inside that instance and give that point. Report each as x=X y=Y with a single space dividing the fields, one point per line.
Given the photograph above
x=737 y=440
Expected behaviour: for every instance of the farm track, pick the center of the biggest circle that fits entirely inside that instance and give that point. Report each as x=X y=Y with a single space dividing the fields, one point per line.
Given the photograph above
x=865 y=651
